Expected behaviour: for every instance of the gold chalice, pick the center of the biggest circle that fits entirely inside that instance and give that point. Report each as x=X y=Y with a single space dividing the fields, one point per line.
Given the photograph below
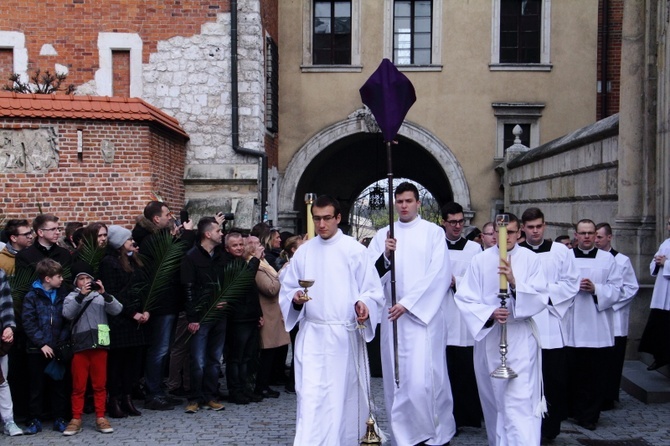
x=305 y=283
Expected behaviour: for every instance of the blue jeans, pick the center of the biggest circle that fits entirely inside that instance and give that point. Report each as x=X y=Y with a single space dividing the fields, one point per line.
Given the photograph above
x=161 y=329
x=206 y=350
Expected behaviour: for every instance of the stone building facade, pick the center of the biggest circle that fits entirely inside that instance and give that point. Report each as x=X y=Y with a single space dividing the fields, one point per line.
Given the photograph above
x=176 y=56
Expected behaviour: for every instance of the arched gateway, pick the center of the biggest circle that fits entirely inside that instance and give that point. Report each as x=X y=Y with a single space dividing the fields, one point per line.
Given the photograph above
x=342 y=159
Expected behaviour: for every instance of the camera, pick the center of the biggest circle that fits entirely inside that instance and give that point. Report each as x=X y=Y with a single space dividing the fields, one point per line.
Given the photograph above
x=229 y=216
x=95 y=286
x=183 y=216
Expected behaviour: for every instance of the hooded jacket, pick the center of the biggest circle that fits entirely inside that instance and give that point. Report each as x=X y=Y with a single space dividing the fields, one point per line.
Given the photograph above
x=42 y=317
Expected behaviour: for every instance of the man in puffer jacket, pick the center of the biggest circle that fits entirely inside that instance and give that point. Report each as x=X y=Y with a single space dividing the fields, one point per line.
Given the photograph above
x=90 y=339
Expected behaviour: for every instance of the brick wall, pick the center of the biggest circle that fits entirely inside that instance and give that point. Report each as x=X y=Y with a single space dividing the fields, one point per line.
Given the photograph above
x=72 y=27
x=121 y=73
x=6 y=65
x=146 y=160
x=612 y=32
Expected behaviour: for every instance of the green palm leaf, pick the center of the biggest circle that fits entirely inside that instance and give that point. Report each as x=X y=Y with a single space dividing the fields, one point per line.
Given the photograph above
x=161 y=262
x=237 y=278
x=91 y=253
x=20 y=283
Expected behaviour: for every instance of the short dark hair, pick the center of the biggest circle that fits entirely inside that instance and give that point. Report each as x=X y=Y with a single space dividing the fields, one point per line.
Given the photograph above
x=153 y=209
x=41 y=219
x=260 y=230
x=71 y=227
x=326 y=200
x=48 y=268
x=406 y=186
x=204 y=224
x=12 y=226
x=585 y=221
x=531 y=214
x=608 y=228
x=513 y=218
x=451 y=208
x=560 y=238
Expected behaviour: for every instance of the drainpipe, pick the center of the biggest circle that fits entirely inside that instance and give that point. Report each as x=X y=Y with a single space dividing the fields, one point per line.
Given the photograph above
x=235 y=115
x=604 y=53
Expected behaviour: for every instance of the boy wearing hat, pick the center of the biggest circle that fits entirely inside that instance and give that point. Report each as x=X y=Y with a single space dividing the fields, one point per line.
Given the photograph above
x=90 y=336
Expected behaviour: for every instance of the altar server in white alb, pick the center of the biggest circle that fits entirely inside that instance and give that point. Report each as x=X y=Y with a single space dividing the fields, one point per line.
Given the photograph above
x=562 y=286
x=331 y=373
x=512 y=407
x=420 y=408
x=620 y=314
x=656 y=336
x=467 y=409
x=589 y=327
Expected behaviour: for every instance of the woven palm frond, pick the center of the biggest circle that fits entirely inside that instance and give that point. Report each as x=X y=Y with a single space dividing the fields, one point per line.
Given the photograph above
x=91 y=253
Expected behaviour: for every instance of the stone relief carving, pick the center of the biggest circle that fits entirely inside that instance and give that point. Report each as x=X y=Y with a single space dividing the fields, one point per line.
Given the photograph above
x=108 y=150
x=28 y=150
x=368 y=118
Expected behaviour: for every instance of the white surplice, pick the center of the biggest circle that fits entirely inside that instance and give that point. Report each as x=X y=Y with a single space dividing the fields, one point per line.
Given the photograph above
x=511 y=406
x=621 y=309
x=421 y=407
x=588 y=323
x=457 y=332
x=660 y=299
x=331 y=374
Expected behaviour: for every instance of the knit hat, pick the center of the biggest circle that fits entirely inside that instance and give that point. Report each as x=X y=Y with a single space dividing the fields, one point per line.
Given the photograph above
x=117 y=236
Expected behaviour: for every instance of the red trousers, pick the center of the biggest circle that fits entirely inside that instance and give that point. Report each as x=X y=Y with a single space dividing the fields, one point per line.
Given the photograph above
x=89 y=363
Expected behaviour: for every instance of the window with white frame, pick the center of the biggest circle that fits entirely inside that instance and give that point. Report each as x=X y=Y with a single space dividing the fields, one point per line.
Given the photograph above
x=413 y=34
x=16 y=42
x=331 y=36
x=109 y=42
x=510 y=114
x=520 y=35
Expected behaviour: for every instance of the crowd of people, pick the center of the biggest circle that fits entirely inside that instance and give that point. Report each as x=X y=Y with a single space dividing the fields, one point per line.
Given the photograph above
x=99 y=316
x=96 y=316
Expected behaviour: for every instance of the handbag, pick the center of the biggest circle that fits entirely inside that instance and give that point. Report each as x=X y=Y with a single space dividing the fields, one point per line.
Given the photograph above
x=65 y=349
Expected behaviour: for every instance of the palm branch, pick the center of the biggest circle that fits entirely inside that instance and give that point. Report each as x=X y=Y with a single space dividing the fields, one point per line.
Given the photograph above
x=20 y=283
x=161 y=262
x=237 y=278
x=91 y=253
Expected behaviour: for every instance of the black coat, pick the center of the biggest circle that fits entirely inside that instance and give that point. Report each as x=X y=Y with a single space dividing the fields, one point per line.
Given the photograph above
x=124 y=331
x=200 y=273
x=27 y=258
x=248 y=308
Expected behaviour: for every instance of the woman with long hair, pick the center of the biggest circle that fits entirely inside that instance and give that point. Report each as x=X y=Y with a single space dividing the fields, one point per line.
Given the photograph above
x=127 y=340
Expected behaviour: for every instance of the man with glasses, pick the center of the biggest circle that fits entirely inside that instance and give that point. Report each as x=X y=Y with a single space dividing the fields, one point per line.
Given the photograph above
x=589 y=327
x=47 y=230
x=420 y=407
x=512 y=407
x=19 y=236
x=467 y=409
x=562 y=284
x=489 y=235
x=331 y=373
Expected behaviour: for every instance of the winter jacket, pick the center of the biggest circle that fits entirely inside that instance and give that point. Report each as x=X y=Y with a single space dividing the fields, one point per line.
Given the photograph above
x=28 y=258
x=124 y=330
x=8 y=259
x=43 y=320
x=200 y=274
x=247 y=308
x=86 y=332
x=172 y=301
x=6 y=304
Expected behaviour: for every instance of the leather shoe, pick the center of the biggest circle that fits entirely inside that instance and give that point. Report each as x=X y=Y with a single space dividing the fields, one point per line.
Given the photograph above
x=656 y=365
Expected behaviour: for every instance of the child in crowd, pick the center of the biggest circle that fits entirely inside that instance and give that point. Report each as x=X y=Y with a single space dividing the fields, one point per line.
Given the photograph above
x=90 y=338
x=45 y=328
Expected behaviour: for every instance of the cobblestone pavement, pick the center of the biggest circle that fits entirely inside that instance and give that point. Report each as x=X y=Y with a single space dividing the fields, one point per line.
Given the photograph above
x=272 y=422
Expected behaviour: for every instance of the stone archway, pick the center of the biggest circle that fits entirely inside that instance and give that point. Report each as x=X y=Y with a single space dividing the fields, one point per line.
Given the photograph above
x=334 y=152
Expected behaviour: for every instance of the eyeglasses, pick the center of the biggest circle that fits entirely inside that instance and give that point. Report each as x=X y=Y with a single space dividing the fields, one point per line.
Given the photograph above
x=325 y=218
x=455 y=222
x=585 y=233
x=490 y=234
x=27 y=234
x=51 y=229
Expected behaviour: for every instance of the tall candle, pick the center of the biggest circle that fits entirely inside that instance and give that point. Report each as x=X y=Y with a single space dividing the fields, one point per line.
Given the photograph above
x=502 y=247
x=310 y=222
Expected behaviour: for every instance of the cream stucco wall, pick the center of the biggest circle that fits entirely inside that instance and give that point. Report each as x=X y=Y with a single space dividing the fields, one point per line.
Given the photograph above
x=453 y=103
